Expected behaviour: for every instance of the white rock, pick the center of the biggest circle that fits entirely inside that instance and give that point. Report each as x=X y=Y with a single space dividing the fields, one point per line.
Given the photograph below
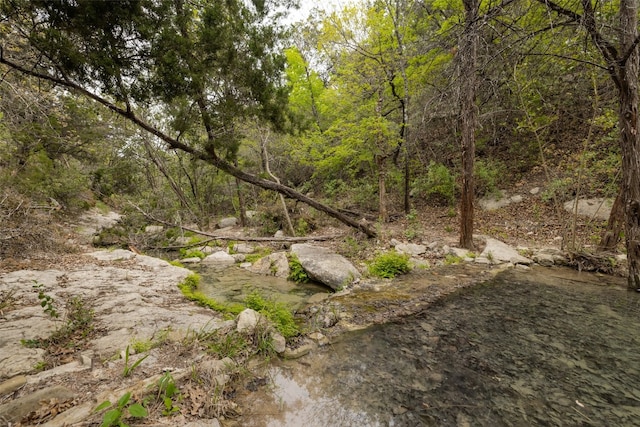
x=248 y=319
x=153 y=229
x=279 y=343
x=220 y=258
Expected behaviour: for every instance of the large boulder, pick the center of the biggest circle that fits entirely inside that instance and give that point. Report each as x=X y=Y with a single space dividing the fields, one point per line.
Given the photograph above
x=592 y=208
x=275 y=264
x=325 y=266
x=228 y=222
x=219 y=259
x=496 y=251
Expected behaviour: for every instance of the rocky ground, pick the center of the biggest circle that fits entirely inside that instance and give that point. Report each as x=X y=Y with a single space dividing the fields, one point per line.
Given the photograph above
x=133 y=301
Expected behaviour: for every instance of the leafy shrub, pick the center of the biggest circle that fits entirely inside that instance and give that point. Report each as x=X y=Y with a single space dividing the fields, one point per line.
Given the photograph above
x=191 y=253
x=389 y=264
x=276 y=312
x=487 y=176
x=439 y=184
x=296 y=272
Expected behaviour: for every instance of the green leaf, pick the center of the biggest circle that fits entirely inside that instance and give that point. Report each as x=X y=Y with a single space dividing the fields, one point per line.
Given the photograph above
x=102 y=406
x=138 y=411
x=124 y=400
x=111 y=417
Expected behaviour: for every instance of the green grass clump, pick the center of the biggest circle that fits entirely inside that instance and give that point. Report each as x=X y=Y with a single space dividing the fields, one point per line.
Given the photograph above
x=296 y=272
x=451 y=259
x=276 y=312
x=260 y=252
x=191 y=253
x=189 y=288
x=389 y=264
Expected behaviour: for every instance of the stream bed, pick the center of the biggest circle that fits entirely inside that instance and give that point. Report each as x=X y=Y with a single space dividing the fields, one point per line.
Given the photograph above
x=540 y=347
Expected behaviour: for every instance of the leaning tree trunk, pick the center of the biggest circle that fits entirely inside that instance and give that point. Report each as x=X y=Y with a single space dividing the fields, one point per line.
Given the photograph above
x=629 y=140
x=468 y=117
x=611 y=235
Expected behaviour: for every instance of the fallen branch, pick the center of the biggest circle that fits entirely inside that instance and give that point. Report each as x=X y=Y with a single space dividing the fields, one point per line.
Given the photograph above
x=236 y=238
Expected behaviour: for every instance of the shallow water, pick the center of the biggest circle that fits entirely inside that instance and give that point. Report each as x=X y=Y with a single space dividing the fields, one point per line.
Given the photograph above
x=546 y=347
x=233 y=284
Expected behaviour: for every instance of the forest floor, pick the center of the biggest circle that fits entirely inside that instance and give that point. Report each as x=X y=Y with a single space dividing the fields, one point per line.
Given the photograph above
x=48 y=243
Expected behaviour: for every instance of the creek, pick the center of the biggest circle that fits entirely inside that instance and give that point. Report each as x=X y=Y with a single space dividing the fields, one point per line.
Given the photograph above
x=537 y=347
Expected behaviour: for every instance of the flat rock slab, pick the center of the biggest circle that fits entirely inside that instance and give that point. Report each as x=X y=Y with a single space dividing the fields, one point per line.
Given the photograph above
x=275 y=264
x=497 y=251
x=592 y=208
x=133 y=296
x=325 y=266
x=13 y=411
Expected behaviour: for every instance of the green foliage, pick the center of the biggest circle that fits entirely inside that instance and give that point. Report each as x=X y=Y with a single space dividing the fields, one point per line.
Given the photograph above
x=389 y=264
x=128 y=369
x=189 y=288
x=276 y=312
x=487 y=175
x=46 y=301
x=451 y=259
x=232 y=344
x=558 y=189
x=114 y=416
x=439 y=184
x=191 y=253
x=259 y=252
x=296 y=272
x=169 y=393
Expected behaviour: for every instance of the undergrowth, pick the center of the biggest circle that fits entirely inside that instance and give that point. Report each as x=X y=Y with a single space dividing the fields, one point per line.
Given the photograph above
x=389 y=264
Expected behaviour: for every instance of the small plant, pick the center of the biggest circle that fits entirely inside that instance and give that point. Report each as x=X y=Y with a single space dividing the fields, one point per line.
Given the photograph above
x=451 y=259
x=490 y=256
x=226 y=345
x=169 y=393
x=389 y=264
x=276 y=312
x=192 y=253
x=113 y=417
x=128 y=370
x=141 y=346
x=7 y=299
x=296 y=272
x=177 y=263
x=46 y=301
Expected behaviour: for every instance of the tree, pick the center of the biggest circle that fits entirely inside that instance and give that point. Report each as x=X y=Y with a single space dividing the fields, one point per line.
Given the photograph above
x=622 y=65
x=214 y=63
x=468 y=118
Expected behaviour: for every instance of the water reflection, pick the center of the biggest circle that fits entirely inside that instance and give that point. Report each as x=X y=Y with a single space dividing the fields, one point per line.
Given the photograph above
x=545 y=347
x=233 y=284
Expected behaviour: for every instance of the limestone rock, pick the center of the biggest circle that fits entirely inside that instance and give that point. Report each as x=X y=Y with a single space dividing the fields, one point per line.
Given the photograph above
x=248 y=320
x=302 y=350
x=228 y=222
x=497 y=251
x=325 y=266
x=275 y=264
x=592 y=208
x=219 y=259
x=279 y=343
x=13 y=411
x=243 y=248
x=153 y=229
x=411 y=249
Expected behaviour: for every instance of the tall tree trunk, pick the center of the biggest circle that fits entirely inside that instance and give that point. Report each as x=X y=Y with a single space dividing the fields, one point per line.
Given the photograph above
x=241 y=205
x=611 y=235
x=630 y=142
x=382 y=188
x=468 y=119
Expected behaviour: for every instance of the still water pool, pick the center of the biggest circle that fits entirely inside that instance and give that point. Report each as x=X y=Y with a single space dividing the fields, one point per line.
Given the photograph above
x=546 y=347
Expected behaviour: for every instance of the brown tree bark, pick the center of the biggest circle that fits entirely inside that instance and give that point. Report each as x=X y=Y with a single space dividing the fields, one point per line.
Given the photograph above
x=623 y=69
x=468 y=119
x=630 y=142
x=611 y=235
